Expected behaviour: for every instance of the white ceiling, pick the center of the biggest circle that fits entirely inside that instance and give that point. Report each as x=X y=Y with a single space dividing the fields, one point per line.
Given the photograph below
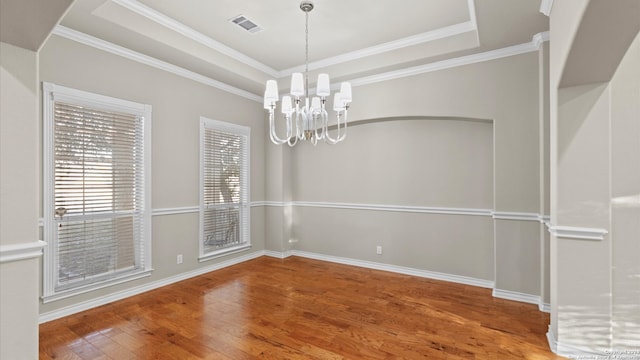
x=348 y=39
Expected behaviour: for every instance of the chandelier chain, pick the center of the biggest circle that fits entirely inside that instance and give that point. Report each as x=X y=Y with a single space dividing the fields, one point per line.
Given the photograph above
x=306 y=53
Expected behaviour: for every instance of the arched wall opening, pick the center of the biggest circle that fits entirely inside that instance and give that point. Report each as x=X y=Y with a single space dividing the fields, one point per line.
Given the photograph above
x=420 y=186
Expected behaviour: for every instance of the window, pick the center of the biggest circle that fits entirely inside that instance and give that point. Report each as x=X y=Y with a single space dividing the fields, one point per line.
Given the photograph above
x=96 y=191
x=224 y=188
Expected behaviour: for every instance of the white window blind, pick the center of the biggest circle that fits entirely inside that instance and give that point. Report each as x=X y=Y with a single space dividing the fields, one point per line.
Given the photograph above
x=98 y=222
x=224 y=190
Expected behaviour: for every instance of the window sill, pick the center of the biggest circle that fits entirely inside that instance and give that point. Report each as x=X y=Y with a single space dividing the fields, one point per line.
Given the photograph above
x=224 y=252
x=92 y=287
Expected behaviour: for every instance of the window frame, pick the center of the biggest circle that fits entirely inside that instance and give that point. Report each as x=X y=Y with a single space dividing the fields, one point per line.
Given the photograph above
x=52 y=93
x=245 y=193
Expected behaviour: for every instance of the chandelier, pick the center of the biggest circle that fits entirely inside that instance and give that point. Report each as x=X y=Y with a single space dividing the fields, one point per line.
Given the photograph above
x=306 y=117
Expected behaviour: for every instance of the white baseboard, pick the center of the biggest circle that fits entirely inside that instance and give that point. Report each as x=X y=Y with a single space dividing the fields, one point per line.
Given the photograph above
x=551 y=339
x=516 y=296
x=102 y=300
x=397 y=269
x=276 y=254
x=578 y=352
x=522 y=297
x=544 y=307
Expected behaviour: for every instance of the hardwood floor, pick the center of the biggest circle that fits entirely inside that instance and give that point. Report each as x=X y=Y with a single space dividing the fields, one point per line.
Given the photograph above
x=299 y=308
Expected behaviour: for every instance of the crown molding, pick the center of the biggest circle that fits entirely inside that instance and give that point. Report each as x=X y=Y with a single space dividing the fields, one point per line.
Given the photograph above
x=89 y=40
x=428 y=36
x=150 y=61
x=172 y=24
x=545 y=6
x=533 y=45
x=579 y=233
x=24 y=251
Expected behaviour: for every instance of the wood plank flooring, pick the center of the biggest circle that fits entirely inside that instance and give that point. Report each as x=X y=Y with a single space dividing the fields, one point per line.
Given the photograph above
x=299 y=308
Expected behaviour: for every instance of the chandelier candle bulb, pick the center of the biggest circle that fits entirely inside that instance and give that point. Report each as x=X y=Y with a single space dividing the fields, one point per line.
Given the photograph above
x=271 y=93
x=345 y=90
x=323 y=88
x=287 y=107
x=297 y=84
x=315 y=104
x=338 y=103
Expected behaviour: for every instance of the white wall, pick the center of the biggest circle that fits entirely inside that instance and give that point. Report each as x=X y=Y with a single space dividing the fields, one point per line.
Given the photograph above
x=18 y=203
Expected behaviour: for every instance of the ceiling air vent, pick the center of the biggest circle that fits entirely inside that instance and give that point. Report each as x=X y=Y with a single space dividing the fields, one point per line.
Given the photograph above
x=246 y=24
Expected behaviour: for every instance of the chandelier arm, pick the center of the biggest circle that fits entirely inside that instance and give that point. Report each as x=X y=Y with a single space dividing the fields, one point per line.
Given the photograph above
x=327 y=137
x=292 y=141
x=272 y=129
x=322 y=120
x=344 y=135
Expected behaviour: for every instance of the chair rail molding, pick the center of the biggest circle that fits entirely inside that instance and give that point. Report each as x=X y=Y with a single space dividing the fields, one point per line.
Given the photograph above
x=15 y=252
x=579 y=233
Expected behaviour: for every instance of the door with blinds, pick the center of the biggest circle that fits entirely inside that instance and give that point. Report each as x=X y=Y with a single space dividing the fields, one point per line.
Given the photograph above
x=224 y=190
x=97 y=193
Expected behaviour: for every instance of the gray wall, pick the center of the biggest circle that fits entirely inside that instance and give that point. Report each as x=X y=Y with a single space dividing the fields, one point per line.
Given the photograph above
x=177 y=105
x=595 y=177
x=420 y=163
x=508 y=249
x=467 y=137
x=18 y=201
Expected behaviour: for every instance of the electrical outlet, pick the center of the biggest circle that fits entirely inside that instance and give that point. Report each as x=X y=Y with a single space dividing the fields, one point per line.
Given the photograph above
x=179 y=259
x=379 y=250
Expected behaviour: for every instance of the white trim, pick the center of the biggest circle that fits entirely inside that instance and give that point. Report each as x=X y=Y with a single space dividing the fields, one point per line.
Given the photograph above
x=578 y=352
x=148 y=60
x=531 y=46
x=516 y=296
x=397 y=269
x=502 y=215
x=85 y=305
x=580 y=233
x=540 y=38
x=180 y=28
x=394 y=208
x=175 y=210
x=23 y=251
x=244 y=206
x=417 y=39
x=225 y=252
x=545 y=6
x=194 y=209
x=544 y=307
x=266 y=203
x=89 y=40
x=64 y=294
x=276 y=203
x=194 y=35
x=471 y=6
x=50 y=94
x=551 y=339
x=277 y=254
